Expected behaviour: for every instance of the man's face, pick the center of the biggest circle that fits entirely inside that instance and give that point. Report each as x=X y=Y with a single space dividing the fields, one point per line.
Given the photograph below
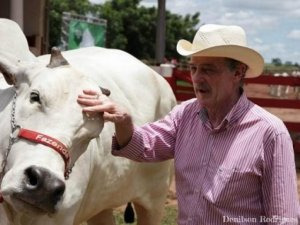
x=214 y=82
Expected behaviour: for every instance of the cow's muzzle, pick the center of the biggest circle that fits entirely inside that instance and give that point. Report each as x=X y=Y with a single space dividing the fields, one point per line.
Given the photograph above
x=41 y=189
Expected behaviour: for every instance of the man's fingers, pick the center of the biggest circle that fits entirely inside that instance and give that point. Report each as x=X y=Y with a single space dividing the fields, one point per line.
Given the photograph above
x=93 y=105
x=88 y=96
x=96 y=108
x=88 y=102
x=108 y=117
x=90 y=92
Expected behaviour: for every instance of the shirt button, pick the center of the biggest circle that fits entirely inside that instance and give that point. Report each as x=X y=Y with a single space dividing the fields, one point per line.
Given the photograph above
x=189 y=219
x=197 y=191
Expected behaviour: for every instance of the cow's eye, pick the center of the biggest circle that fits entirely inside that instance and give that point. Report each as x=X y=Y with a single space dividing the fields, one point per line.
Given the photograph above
x=35 y=97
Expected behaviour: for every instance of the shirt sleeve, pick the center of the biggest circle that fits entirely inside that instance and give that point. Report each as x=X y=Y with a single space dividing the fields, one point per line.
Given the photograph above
x=279 y=182
x=153 y=141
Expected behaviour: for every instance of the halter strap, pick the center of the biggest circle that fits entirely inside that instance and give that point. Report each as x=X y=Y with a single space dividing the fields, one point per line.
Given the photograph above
x=47 y=141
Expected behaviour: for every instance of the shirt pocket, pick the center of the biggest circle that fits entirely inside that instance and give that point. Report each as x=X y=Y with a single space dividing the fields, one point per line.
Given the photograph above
x=218 y=186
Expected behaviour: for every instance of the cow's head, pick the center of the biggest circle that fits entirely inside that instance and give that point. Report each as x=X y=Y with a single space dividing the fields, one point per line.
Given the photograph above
x=34 y=176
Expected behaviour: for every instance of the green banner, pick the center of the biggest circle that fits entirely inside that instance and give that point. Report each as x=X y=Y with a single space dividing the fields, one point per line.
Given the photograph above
x=84 y=34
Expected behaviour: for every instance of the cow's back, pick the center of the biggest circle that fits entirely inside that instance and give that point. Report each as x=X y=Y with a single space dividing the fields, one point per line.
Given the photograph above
x=132 y=84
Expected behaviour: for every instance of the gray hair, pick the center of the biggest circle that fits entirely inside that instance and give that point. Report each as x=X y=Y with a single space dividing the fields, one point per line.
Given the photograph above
x=232 y=65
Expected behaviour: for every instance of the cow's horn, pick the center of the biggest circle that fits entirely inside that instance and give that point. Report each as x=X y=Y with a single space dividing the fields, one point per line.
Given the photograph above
x=105 y=91
x=56 y=58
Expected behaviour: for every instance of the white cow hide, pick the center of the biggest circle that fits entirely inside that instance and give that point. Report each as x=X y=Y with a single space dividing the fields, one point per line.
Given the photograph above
x=13 y=42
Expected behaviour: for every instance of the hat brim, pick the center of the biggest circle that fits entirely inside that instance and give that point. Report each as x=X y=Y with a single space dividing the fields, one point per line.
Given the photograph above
x=250 y=57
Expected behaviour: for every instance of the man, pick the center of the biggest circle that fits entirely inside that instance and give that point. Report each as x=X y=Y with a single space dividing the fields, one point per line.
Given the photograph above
x=234 y=161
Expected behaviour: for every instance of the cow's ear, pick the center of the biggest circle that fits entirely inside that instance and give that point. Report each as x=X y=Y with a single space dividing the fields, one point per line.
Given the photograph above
x=9 y=68
x=105 y=91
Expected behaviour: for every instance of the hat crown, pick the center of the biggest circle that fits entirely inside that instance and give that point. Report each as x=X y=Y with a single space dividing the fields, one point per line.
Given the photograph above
x=211 y=35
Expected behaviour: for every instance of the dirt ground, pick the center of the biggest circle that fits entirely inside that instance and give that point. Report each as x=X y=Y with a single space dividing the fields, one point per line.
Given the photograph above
x=291 y=115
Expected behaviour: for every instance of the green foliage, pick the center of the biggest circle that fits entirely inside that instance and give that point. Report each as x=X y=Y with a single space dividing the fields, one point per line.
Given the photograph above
x=273 y=68
x=276 y=66
x=288 y=63
x=130 y=27
x=277 y=61
x=179 y=27
x=133 y=28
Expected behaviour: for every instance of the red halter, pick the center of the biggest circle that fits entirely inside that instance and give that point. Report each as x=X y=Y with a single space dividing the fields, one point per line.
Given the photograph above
x=46 y=140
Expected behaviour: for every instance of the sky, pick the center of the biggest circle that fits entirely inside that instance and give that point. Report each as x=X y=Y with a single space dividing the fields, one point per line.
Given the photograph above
x=272 y=26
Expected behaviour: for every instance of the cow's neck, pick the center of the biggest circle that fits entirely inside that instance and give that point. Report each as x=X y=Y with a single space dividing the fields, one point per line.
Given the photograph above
x=6 y=97
x=78 y=149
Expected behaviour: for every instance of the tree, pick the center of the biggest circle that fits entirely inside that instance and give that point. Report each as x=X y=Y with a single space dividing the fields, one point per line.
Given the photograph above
x=288 y=63
x=179 y=27
x=133 y=28
x=277 y=61
x=130 y=27
x=160 y=41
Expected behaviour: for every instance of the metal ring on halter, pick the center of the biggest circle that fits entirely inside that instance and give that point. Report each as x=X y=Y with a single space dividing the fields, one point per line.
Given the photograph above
x=15 y=131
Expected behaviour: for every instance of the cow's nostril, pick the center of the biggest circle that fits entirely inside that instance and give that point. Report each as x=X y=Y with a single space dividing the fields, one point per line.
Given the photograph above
x=41 y=181
x=33 y=175
x=42 y=188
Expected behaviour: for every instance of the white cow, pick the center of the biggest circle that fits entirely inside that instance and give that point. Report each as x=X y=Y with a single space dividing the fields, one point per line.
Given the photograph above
x=34 y=187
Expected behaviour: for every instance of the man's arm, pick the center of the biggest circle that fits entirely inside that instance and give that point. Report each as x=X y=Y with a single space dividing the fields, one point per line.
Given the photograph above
x=279 y=186
x=151 y=142
x=124 y=130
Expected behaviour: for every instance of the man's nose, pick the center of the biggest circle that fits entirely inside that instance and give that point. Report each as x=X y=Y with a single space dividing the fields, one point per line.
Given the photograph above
x=198 y=77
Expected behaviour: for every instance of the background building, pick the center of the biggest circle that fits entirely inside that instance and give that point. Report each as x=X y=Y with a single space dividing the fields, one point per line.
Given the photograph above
x=31 y=15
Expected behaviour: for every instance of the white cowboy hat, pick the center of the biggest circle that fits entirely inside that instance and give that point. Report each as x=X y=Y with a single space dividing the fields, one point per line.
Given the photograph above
x=223 y=41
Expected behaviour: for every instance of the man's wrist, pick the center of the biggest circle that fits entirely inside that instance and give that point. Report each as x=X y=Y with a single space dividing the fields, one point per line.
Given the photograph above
x=124 y=130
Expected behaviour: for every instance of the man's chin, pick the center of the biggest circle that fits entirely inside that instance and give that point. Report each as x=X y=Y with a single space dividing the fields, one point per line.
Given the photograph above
x=203 y=100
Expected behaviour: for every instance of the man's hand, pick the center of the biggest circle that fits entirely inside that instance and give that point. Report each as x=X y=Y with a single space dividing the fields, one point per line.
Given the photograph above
x=97 y=103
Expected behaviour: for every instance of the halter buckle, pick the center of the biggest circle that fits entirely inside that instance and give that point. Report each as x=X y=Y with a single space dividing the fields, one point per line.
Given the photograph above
x=15 y=131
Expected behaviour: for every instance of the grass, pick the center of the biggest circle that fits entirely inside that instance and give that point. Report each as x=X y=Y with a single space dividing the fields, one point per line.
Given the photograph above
x=269 y=67
x=169 y=218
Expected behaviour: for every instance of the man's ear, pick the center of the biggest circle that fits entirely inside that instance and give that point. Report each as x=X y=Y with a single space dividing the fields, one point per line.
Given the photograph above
x=240 y=71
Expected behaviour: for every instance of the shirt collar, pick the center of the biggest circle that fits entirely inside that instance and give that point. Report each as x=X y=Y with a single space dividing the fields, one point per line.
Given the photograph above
x=232 y=116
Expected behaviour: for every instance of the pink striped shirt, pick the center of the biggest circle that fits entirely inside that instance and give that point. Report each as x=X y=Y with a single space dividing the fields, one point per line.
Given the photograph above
x=242 y=172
